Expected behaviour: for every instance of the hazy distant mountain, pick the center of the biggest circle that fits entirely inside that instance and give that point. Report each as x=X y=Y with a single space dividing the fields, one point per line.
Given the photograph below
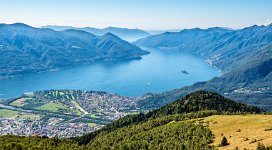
x=124 y=33
x=244 y=56
x=154 y=32
x=26 y=49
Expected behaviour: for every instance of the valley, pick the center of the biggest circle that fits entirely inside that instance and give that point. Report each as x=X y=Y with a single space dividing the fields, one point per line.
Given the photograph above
x=136 y=75
x=84 y=111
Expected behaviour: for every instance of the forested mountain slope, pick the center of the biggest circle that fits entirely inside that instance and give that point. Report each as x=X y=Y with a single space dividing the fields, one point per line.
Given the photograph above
x=244 y=56
x=25 y=49
x=224 y=48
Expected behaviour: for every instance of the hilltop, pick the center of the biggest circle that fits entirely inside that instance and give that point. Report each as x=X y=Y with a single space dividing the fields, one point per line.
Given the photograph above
x=191 y=103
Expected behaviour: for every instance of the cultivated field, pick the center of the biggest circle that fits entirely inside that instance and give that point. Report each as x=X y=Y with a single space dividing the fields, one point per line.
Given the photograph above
x=19 y=102
x=5 y=113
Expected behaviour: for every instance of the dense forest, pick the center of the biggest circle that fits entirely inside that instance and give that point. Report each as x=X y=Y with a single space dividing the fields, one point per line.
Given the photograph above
x=174 y=126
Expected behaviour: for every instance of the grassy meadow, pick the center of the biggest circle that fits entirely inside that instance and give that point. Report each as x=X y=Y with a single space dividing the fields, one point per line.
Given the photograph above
x=243 y=131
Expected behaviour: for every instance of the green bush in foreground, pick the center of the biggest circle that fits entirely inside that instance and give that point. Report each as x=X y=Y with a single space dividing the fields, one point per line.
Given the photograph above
x=11 y=142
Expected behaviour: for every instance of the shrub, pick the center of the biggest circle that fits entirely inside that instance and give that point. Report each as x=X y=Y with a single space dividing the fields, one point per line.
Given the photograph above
x=253 y=141
x=224 y=142
x=260 y=146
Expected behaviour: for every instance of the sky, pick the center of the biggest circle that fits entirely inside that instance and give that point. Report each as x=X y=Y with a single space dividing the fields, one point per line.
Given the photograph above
x=143 y=14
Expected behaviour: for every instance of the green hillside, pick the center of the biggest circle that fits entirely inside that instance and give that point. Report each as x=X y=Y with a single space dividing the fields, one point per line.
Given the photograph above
x=178 y=125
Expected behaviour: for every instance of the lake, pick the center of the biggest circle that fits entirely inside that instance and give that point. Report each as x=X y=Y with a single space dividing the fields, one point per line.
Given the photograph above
x=156 y=72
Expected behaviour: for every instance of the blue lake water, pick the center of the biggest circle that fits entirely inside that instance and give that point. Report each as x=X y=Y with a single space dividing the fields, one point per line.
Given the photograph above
x=157 y=72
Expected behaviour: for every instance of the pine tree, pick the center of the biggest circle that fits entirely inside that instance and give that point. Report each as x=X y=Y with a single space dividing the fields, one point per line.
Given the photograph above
x=224 y=142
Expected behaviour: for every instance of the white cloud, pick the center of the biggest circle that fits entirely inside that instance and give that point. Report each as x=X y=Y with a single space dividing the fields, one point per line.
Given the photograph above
x=267 y=22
